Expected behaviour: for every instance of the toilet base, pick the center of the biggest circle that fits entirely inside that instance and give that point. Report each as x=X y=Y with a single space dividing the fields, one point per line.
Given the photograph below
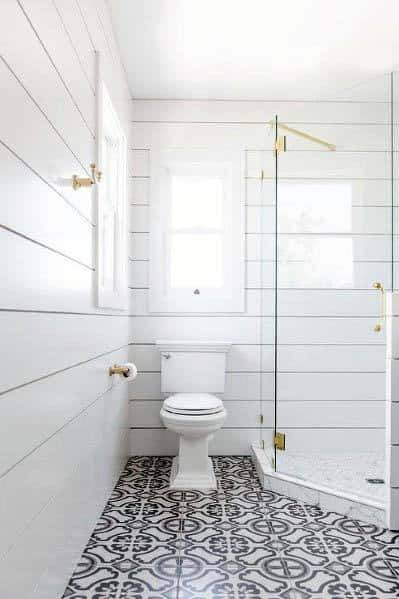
x=206 y=480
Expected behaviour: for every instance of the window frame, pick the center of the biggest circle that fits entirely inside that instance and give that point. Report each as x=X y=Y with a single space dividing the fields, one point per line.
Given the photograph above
x=223 y=163
x=111 y=295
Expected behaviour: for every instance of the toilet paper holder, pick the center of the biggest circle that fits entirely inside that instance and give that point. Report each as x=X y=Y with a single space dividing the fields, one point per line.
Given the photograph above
x=117 y=369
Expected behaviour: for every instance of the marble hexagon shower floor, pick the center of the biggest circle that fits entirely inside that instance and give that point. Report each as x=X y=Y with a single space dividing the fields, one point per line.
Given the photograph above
x=239 y=542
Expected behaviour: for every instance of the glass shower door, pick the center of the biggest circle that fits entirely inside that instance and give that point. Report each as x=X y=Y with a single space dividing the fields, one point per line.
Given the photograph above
x=333 y=245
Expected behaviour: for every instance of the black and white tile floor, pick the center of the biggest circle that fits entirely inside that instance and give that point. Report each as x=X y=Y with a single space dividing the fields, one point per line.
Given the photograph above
x=239 y=542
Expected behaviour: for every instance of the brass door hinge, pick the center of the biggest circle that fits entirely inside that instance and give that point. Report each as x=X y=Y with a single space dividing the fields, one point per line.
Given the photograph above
x=262 y=444
x=281 y=144
x=279 y=441
x=261 y=418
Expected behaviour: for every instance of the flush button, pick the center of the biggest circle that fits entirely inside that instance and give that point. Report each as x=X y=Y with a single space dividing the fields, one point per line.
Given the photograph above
x=196 y=291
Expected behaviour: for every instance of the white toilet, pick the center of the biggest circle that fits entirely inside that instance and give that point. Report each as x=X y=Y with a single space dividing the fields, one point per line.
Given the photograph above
x=191 y=372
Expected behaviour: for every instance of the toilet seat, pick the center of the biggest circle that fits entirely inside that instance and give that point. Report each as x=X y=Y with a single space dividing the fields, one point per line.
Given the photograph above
x=193 y=404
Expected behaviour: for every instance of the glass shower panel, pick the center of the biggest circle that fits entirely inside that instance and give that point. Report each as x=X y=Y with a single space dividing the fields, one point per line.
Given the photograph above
x=334 y=226
x=260 y=253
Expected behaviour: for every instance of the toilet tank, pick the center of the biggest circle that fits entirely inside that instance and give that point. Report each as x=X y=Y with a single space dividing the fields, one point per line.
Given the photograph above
x=192 y=367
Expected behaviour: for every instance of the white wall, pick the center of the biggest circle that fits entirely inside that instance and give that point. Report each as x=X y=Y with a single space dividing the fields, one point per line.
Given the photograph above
x=330 y=362
x=63 y=421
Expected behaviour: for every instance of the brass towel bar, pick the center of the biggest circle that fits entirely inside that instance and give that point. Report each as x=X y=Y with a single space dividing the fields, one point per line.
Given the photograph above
x=317 y=140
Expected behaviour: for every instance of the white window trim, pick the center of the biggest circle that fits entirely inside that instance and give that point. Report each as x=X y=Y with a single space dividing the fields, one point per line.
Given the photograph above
x=115 y=296
x=162 y=299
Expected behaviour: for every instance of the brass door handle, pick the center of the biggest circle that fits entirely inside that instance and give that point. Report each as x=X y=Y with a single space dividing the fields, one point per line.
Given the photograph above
x=379 y=326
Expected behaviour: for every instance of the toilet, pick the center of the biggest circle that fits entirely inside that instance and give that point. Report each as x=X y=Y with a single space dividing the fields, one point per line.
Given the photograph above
x=191 y=374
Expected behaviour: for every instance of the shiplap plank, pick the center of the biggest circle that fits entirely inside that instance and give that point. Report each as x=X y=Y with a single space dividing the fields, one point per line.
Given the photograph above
x=260 y=112
x=373 y=165
x=333 y=414
x=43 y=82
x=47 y=155
x=88 y=449
x=75 y=27
x=39 y=279
x=328 y=331
x=46 y=342
x=330 y=386
x=51 y=30
x=330 y=358
x=31 y=414
x=38 y=212
x=226 y=135
x=236 y=329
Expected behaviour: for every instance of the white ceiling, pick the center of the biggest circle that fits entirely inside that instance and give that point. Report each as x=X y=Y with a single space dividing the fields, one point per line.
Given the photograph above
x=255 y=49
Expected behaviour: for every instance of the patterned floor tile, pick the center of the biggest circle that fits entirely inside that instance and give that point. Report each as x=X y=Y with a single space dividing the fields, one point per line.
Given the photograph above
x=238 y=542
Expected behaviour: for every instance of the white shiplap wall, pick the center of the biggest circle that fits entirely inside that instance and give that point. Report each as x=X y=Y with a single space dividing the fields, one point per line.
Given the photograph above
x=330 y=362
x=63 y=421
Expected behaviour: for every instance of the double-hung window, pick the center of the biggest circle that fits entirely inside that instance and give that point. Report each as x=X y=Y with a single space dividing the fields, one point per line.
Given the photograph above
x=196 y=225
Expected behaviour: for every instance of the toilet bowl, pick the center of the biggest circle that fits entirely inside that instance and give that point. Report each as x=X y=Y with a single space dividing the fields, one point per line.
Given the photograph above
x=195 y=417
x=192 y=373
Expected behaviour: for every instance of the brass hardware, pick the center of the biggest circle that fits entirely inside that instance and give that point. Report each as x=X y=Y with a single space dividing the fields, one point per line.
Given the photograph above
x=379 y=326
x=261 y=418
x=262 y=444
x=317 y=140
x=115 y=369
x=279 y=441
x=96 y=176
x=281 y=144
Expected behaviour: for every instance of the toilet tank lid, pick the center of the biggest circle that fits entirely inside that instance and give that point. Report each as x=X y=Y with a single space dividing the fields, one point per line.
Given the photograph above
x=194 y=346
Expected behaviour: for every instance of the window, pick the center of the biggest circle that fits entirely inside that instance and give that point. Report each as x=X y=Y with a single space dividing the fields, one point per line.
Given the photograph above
x=111 y=206
x=315 y=235
x=196 y=255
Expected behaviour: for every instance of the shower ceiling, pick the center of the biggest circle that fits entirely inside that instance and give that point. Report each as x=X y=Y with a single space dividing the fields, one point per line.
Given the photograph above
x=255 y=49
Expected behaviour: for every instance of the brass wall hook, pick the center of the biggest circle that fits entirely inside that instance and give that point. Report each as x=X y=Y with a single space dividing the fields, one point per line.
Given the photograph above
x=96 y=176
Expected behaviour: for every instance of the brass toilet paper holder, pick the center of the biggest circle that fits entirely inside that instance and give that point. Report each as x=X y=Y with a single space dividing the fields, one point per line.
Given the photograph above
x=116 y=369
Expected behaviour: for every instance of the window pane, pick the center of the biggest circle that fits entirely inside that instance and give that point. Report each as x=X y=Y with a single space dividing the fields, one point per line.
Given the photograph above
x=196 y=261
x=197 y=201
x=325 y=262
x=315 y=208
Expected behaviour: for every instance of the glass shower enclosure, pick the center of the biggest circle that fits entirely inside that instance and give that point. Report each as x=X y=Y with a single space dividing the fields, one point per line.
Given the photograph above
x=328 y=249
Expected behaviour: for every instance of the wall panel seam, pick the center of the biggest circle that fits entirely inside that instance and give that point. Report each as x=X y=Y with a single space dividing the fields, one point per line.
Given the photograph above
x=68 y=91
x=73 y=46
x=58 y=430
x=55 y=372
x=43 y=113
x=72 y=206
x=46 y=247
x=63 y=312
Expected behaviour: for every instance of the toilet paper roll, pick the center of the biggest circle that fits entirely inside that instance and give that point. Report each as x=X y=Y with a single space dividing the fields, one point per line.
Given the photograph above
x=131 y=375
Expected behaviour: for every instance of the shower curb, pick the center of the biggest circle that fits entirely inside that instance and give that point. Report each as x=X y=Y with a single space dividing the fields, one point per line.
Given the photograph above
x=352 y=506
